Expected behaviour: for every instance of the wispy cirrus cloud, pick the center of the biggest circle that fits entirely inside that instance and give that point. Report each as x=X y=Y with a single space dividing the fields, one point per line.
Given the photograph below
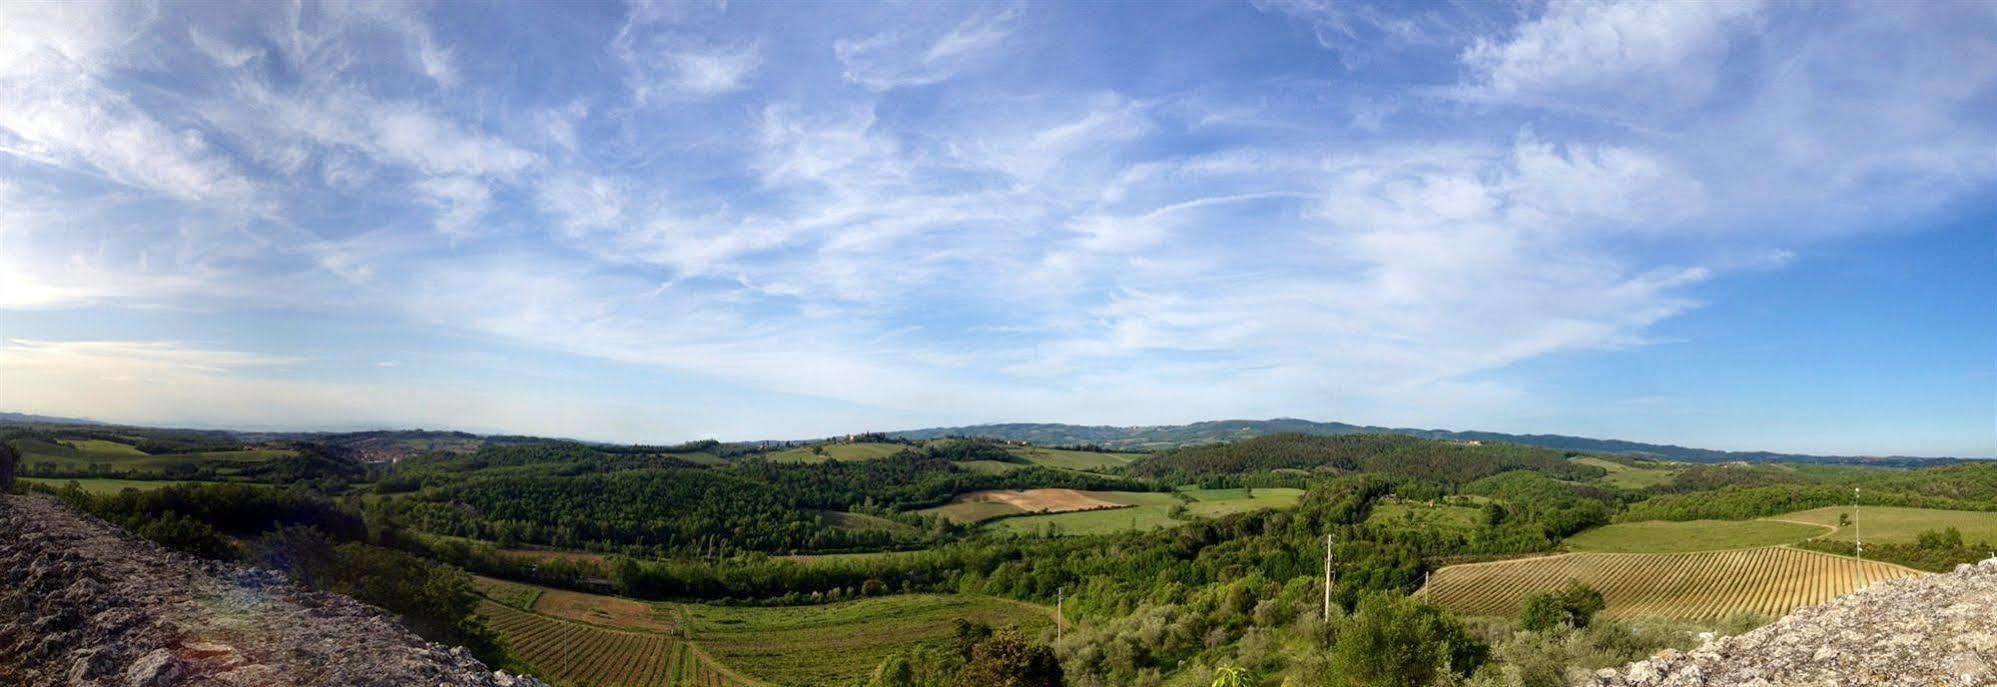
x=889 y=216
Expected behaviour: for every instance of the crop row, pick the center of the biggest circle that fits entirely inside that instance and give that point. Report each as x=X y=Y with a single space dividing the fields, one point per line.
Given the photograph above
x=584 y=654
x=1692 y=586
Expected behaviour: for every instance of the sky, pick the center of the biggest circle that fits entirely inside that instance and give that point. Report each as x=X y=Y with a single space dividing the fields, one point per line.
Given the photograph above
x=1719 y=224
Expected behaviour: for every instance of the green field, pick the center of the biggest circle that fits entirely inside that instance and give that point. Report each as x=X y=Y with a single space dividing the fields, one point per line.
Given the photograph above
x=865 y=523
x=989 y=467
x=1150 y=510
x=1073 y=460
x=1626 y=476
x=1657 y=536
x=70 y=455
x=97 y=485
x=1422 y=516
x=839 y=643
x=819 y=453
x=1889 y=525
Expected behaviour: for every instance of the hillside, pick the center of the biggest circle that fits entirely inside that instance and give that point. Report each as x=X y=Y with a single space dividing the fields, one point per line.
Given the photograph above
x=1386 y=454
x=1933 y=630
x=1155 y=437
x=84 y=603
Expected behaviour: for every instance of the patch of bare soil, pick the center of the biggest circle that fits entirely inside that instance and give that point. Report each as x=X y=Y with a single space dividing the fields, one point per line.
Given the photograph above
x=1043 y=500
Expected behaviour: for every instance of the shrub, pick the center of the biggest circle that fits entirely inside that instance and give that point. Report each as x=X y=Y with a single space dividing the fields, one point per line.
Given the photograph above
x=1572 y=606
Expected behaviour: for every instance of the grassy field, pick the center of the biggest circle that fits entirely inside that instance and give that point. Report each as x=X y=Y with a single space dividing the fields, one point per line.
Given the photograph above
x=1422 y=516
x=1656 y=536
x=96 y=485
x=840 y=643
x=1150 y=510
x=1073 y=460
x=819 y=453
x=1625 y=476
x=1686 y=586
x=860 y=522
x=515 y=594
x=990 y=467
x=1900 y=525
x=83 y=454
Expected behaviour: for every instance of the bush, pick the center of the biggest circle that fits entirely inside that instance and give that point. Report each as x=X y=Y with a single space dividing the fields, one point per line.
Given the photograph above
x=1007 y=660
x=1573 y=606
x=1395 y=641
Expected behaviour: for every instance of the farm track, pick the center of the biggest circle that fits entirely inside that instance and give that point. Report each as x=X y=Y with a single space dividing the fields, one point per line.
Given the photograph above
x=1707 y=585
x=603 y=656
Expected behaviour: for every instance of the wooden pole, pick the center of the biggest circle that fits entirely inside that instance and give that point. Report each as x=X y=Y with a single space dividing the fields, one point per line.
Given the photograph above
x=1857 y=543
x=1327 y=577
x=1060 y=618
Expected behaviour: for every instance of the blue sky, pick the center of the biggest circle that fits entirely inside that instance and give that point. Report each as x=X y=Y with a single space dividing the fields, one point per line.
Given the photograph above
x=1731 y=225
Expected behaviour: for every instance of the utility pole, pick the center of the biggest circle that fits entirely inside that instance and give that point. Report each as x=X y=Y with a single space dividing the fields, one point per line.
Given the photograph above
x=1857 y=543
x=1060 y=599
x=1327 y=577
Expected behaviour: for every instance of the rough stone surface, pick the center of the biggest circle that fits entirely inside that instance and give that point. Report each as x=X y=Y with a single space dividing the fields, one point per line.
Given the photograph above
x=84 y=604
x=1931 y=631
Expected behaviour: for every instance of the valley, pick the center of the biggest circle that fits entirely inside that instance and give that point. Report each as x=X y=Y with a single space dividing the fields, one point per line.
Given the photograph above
x=841 y=561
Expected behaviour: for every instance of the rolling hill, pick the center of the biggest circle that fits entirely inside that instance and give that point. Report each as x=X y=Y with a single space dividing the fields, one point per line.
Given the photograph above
x=1156 y=437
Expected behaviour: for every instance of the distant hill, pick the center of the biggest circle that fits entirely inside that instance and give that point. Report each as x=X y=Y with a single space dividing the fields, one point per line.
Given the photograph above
x=1158 y=437
x=28 y=419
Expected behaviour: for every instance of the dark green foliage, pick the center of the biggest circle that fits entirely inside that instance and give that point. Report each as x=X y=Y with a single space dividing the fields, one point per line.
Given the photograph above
x=1940 y=553
x=921 y=666
x=8 y=459
x=1382 y=454
x=1007 y=660
x=1742 y=503
x=1945 y=538
x=1573 y=605
x=574 y=496
x=1392 y=640
x=1559 y=508
x=182 y=533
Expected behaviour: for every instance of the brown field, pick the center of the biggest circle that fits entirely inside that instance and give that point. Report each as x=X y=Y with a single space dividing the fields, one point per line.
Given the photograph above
x=1042 y=500
x=979 y=506
x=602 y=610
x=1706 y=585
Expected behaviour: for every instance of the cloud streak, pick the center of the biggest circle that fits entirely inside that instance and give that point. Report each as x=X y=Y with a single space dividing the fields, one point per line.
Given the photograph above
x=889 y=218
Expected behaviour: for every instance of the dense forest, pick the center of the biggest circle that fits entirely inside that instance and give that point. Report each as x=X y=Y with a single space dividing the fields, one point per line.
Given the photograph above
x=1383 y=454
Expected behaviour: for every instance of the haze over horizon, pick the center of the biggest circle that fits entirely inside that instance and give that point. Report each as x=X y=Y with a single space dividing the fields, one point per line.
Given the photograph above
x=1734 y=226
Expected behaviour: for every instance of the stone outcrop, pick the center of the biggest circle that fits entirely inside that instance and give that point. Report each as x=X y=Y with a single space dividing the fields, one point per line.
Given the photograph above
x=1936 y=630
x=83 y=603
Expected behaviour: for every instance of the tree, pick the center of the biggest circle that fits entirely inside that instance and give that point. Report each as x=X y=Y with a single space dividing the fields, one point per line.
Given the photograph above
x=1395 y=641
x=1574 y=605
x=1007 y=660
x=1230 y=676
x=8 y=458
x=1945 y=538
x=922 y=666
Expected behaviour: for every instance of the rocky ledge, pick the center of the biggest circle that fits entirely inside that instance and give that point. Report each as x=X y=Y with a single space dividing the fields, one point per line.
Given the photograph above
x=84 y=603
x=1932 y=631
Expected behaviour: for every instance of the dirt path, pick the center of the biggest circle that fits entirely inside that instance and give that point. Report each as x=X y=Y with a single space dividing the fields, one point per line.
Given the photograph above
x=83 y=603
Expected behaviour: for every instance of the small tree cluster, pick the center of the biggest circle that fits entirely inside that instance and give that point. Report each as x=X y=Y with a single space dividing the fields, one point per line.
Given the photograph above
x=1575 y=605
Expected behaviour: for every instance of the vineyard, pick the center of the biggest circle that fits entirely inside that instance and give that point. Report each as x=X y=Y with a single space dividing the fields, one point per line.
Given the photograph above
x=579 y=653
x=1687 y=586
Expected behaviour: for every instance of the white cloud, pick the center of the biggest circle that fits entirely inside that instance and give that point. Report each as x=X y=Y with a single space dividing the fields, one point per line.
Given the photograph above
x=1637 y=51
x=460 y=202
x=916 y=57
